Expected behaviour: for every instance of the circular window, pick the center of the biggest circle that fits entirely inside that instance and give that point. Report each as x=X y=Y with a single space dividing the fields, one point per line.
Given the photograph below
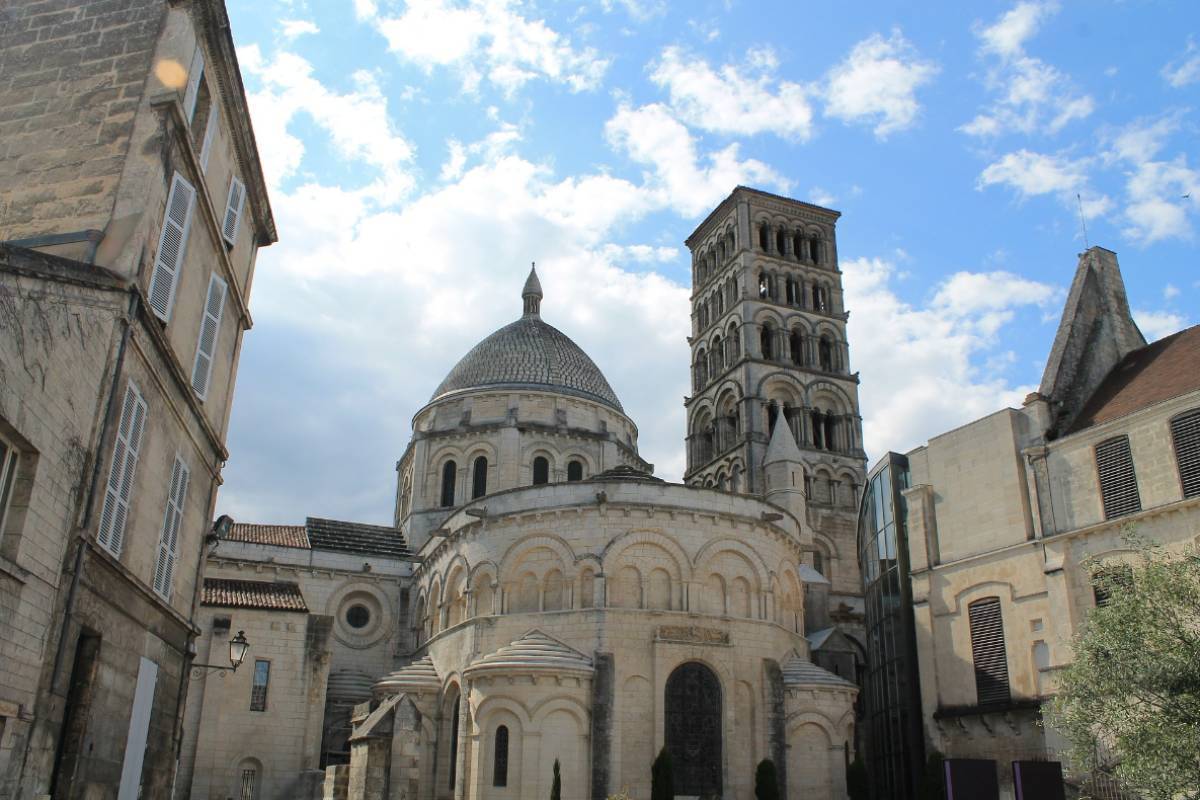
x=357 y=616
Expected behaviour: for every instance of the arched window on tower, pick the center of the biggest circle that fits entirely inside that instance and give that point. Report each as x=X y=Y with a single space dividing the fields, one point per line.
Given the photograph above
x=762 y=285
x=798 y=246
x=818 y=428
x=479 y=477
x=575 y=470
x=830 y=432
x=817 y=248
x=764 y=233
x=449 y=474
x=820 y=300
x=500 y=758
x=825 y=354
x=541 y=471
x=767 y=341
x=772 y=416
x=797 y=343
x=780 y=242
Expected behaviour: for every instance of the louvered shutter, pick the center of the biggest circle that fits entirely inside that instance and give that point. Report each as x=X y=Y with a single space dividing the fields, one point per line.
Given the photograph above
x=210 y=131
x=1185 y=431
x=1118 y=481
x=987 y=651
x=117 y=493
x=210 y=327
x=168 y=543
x=171 y=245
x=193 y=84
x=233 y=210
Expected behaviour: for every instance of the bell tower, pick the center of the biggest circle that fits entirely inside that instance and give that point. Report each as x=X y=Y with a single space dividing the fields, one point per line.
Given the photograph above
x=769 y=348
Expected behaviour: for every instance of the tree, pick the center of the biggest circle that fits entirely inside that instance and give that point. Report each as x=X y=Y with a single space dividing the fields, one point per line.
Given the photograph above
x=662 y=783
x=766 y=782
x=857 y=781
x=556 y=787
x=1129 y=702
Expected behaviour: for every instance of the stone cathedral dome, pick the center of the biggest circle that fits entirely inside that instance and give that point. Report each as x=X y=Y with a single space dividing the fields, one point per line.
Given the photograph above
x=530 y=354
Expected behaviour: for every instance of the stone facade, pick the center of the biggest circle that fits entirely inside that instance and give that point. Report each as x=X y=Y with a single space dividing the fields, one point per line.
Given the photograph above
x=1011 y=505
x=118 y=350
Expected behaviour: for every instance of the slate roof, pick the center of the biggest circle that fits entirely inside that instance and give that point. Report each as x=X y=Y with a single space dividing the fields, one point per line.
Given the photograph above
x=278 y=535
x=326 y=534
x=268 y=595
x=802 y=672
x=530 y=353
x=1159 y=371
x=624 y=472
x=533 y=652
x=355 y=537
x=419 y=676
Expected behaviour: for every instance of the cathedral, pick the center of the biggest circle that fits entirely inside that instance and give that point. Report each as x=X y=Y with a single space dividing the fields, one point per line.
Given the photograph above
x=545 y=605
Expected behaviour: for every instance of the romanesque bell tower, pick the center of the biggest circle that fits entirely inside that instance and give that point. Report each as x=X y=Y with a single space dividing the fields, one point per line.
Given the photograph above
x=768 y=349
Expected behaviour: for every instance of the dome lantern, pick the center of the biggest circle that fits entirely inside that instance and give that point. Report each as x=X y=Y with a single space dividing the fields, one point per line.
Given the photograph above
x=532 y=293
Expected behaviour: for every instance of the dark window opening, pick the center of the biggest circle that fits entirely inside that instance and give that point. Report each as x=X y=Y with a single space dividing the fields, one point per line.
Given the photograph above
x=500 y=759
x=575 y=471
x=1185 y=434
x=763 y=234
x=258 y=688
x=693 y=729
x=825 y=350
x=454 y=746
x=449 y=474
x=541 y=471
x=358 y=616
x=1109 y=581
x=479 y=477
x=767 y=340
x=797 y=344
x=988 y=652
x=1118 y=480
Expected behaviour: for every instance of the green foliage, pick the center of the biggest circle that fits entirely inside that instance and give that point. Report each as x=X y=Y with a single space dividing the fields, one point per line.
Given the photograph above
x=662 y=782
x=1129 y=701
x=766 y=782
x=933 y=782
x=857 y=783
x=556 y=787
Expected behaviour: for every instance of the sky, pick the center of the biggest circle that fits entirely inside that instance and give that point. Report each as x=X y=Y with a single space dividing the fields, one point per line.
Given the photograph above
x=421 y=155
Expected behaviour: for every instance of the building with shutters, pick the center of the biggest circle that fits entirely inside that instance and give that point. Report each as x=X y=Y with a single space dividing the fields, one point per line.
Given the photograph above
x=132 y=205
x=993 y=522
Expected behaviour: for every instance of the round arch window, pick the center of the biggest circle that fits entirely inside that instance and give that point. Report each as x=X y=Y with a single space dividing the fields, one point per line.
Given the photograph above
x=358 y=616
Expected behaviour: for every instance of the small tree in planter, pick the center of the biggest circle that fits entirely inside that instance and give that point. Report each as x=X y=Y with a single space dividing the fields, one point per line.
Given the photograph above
x=662 y=782
x=766 y=782
x=556 y=787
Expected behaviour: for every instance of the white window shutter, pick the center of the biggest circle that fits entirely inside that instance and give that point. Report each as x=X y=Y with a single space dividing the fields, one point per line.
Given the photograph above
x=193 y=85
x=168 y=543
x=172 y=243
x=117 y=493
x=210 y=130
x=233 y=210
x=210 y=328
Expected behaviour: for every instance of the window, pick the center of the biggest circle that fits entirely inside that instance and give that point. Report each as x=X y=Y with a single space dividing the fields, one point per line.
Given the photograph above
x=819 y=562
x=449 y=473
x=210 y=328
x=454 y=746
x=479 y=478
x=210 y=132
x=233 y=210
x=195 y=78
x=1109 y=580
x=119 y=490
x=172 y=243
x=258 y=689
x=168 y=542
x=541 y=471
x=575 y=471
x=987 y=651
x=1118 y=481
x=8 y=475
x=500 y=758
x=1185 y=433
x=358 y=616
x=249 y=780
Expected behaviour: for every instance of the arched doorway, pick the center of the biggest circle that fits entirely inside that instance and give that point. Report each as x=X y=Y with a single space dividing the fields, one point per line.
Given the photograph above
x=693 y=729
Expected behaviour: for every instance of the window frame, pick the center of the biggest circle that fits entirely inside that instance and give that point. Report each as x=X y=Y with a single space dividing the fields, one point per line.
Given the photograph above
x=978 y=643
x=1111 y=505
x=266 y=686
x=1189 y=417
x=500 y=759
x=10 y=466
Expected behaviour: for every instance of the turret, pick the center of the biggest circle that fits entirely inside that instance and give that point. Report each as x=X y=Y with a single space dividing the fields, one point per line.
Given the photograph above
x=783 y=469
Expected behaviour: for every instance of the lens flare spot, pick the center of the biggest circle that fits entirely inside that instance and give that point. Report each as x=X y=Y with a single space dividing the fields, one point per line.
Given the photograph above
x=170 y=73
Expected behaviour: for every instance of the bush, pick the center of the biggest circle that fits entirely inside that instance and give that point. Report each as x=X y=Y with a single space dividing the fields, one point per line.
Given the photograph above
x=858 y=785
x=766 y=782
x=662 y=782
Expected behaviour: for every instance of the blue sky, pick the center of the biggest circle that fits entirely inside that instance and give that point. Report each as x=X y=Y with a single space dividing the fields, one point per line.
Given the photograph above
x=421 y=154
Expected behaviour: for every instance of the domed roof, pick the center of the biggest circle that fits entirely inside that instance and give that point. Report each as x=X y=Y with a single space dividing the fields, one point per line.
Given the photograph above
x=531 y=354
x=535 y=652
x=419 y=676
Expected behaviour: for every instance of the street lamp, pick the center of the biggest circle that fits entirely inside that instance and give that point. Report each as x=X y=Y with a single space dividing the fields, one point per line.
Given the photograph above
x=238 y=647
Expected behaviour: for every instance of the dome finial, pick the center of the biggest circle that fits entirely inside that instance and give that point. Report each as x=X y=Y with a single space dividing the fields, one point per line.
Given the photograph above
x=532 y=293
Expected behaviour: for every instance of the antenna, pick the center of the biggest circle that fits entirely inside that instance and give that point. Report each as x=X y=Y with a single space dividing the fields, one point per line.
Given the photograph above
x=1082 y=221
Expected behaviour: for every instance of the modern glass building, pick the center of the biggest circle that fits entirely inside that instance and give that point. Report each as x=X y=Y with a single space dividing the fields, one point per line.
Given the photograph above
x=894 y=737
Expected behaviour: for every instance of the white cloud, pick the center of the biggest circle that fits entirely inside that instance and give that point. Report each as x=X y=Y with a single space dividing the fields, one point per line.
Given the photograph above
x=488 y=38
x=1158 y=208
x=1170 y=291
x=1185 y=69
x=1033 y=173
x=680 y=179
x=640 y=253
x=821 y=197
x=1157 y=324
x=736 y=99
x=357 y=122
x=365 y=9
x=928 y=370
x=877 y=83
x=293 y=28
x=453 y=168
x=1142 y=139
x=1029 y=94
x=640 y=10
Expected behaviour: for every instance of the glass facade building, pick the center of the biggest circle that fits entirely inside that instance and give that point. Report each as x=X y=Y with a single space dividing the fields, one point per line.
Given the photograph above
x=894 y=737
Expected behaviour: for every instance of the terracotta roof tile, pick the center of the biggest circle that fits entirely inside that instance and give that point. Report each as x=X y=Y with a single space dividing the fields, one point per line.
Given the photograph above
x=1159 y=371
x=278 y=535
x=234 y=593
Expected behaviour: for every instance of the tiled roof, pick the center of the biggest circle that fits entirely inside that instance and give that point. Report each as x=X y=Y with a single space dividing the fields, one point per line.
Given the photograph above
x=278 y=535
x=533 y=652
x=1159 y=371
x=355 y=537
x=530 y=353
x=624 y=472
x=799 y=671
x=419 y=676
x=234 y=593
